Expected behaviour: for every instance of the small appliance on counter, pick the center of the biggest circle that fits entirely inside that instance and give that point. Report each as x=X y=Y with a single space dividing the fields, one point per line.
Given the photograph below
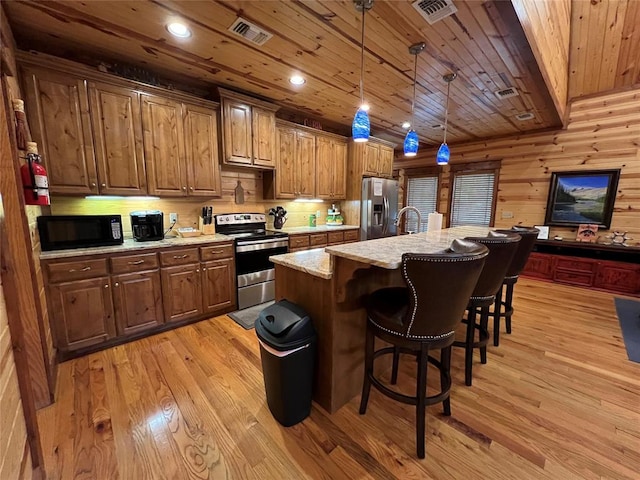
x=61 y=232
x=147 y=225
x=333 y=217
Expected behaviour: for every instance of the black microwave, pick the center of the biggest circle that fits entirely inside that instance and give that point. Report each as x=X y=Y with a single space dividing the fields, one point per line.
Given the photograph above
x=60 y=232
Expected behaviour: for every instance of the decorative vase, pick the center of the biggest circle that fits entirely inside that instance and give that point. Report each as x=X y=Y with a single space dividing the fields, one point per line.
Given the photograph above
x=278 y=222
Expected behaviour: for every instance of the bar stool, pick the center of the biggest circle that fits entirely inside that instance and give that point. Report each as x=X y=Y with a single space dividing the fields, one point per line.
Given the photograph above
x=420 y=317
x=529 y=236
x=501 y=247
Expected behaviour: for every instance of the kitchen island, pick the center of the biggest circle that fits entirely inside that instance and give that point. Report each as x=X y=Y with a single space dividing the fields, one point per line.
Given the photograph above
x=331 y=284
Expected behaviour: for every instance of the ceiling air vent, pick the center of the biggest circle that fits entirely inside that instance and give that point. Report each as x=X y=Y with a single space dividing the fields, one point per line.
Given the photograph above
x=506 y=93
x=525 y=116
x=437 y=126
x=250 y=31
x=434 y=10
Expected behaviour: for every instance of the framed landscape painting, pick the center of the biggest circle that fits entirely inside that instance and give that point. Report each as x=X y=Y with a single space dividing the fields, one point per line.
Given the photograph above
x=585 y=196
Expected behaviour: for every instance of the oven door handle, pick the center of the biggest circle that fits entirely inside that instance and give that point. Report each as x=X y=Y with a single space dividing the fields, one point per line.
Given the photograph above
x=260 y=245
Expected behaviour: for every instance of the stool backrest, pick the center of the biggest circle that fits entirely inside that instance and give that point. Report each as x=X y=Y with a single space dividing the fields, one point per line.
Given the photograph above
x=525 y=247
x=502 y=247
x=440 y=285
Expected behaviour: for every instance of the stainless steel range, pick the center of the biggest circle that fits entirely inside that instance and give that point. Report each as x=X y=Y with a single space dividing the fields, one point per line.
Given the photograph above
x=254 y=246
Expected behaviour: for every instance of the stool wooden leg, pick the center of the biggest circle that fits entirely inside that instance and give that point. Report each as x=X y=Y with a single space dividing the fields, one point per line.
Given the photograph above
x=468 y=348
x=497 y=311
x=421 y=395
x=445 y=360
x=484 y=323
x=394 y=368
x=368 y=370
x=509 y=307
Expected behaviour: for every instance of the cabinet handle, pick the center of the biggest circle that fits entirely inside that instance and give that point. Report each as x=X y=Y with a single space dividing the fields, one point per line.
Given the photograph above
x=85 y=269
x=139 y=262
x=103 y=185
x=191 y=188
x=204 y=269
x=106 y=286
x=216 y=251
x=178 y=257
x=197 y=270
x=184 y=188
x=93 y=184
x=117 y=284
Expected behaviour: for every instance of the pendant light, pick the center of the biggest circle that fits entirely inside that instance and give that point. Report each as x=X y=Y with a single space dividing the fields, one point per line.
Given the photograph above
x=442 y=158
x=361 y=127
x=411 y=140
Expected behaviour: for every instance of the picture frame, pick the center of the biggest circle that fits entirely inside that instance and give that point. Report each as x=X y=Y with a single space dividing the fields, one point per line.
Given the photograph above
x=582 y=197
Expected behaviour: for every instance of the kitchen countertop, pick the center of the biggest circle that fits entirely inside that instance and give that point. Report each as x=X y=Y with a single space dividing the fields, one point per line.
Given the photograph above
x=383 y=252
x=387 y=252
x=319 y=229
x=131 y=246
x=314 y=262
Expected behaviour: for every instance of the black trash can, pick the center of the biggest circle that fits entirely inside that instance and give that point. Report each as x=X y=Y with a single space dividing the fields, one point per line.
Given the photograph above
x=288 y=350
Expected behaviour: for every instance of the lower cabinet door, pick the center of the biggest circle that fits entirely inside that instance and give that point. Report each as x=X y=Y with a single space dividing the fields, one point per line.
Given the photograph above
x=82 y=313
x=539 y=265
x=182 y=292
x=137 y=299
x=218 y=285
x=618 y=277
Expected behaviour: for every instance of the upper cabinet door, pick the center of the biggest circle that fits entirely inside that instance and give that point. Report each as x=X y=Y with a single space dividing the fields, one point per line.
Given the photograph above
x=58 y=108
x=339 y=152
x=164 y=148
x=305 y=164
x=117 y=131
x=201 y=141
x=264 y=137
x=385 y=161
x=370 y=159
x=237 y=132
x=324 y=168
x=286 y=186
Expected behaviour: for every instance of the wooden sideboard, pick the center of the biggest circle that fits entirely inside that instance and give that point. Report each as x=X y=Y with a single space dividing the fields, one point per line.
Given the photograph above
x=611 y=268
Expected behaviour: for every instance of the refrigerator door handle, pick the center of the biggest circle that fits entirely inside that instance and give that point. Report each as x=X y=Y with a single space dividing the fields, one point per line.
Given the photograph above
x=385 y=215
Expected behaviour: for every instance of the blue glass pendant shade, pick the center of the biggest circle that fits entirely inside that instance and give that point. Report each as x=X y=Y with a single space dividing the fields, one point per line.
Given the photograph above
x=360 y=127
x=442 y=158
x=411 y=144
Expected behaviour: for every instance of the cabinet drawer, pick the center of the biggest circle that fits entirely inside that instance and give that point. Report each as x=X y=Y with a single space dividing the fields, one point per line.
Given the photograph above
x=573 y=278
x=351 y=235
x=179 y=257
x=318 y=239
x=134 y=263
x=216 y=252
x=576 y=264
x=335 y=237
x=298 y=241
x=299 y=249
x=76 y=270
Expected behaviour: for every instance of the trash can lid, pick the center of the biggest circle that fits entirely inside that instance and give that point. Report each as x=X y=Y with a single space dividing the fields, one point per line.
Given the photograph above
x=284 y=325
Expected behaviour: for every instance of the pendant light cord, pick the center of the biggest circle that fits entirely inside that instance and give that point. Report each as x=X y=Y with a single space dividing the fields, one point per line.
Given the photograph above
x=446 y=112
x=413 y=103
x=362 y=59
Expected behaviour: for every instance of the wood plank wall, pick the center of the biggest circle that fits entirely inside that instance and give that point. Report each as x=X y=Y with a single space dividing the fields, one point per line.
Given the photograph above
x=188 y=209
x=603 y=132
x=547 y=27
x=15 y=456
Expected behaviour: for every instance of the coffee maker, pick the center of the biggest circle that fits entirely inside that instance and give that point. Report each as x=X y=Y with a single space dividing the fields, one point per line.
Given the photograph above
x=147 y=225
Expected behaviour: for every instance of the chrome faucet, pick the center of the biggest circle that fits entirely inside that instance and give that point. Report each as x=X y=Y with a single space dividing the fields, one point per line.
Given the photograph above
x=401 y=212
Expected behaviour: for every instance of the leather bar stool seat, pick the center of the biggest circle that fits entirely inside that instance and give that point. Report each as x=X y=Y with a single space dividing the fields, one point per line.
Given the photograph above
x=525 y=247
x=502 y=247
x=420 y=318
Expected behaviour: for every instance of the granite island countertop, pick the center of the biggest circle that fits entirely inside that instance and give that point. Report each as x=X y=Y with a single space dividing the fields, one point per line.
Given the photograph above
x=319 y=229
x=315 y=262
x=131 y=246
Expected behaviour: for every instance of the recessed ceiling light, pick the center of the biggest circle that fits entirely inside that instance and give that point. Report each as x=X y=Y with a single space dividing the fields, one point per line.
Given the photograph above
x=179 y=30
x=297 y=80
x=365 y=107
x=406 y=125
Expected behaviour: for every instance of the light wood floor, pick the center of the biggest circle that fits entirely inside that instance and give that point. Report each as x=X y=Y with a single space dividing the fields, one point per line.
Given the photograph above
x=557 y=400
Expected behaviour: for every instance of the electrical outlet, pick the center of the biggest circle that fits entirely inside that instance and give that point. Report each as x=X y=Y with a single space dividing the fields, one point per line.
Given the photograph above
x=507 y=214
x=173 y=217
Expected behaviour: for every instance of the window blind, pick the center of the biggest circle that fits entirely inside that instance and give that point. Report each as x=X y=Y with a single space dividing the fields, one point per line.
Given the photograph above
x=422 y=193
x=472 y=201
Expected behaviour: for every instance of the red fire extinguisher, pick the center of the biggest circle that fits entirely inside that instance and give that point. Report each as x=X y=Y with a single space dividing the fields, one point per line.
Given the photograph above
x=34 y=178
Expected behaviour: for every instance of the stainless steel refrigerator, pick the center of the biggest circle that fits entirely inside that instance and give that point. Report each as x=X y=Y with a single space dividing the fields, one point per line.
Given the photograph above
x=378 y=208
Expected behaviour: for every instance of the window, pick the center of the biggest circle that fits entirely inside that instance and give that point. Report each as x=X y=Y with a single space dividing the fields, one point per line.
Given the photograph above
x=473 y=194
x=421 y=187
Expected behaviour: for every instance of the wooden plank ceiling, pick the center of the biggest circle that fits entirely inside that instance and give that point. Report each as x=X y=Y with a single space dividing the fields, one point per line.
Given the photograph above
x=483 y=43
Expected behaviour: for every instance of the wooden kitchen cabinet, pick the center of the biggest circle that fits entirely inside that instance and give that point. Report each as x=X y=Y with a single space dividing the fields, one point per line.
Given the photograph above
x=618 y=277
x=248 y=130
x=295 y=167
x=137 y=298
x=331 y=168
x=373 y=158
x=201 y=143
x=307 y=241
x=182 y=292
x=58 y=112
x=117 y=132
x=218 y=285
x=81 y=313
